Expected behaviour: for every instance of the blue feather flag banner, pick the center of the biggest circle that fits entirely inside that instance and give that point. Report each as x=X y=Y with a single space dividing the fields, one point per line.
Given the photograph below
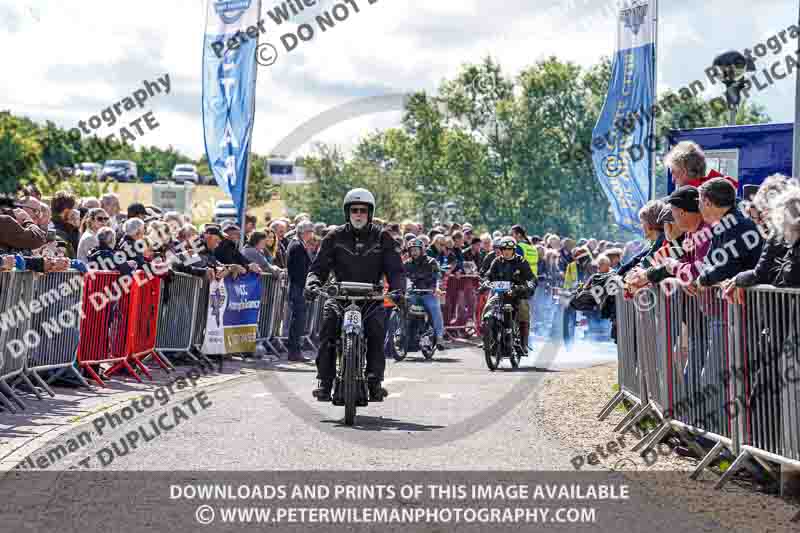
x=229 y=80
x=622 y=134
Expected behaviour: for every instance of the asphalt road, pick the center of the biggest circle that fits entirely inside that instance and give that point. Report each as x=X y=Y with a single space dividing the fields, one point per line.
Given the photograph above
x=449 y=413
x=443 y=420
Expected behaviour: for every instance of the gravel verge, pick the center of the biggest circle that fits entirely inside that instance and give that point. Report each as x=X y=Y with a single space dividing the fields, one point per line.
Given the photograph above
x=569 y=403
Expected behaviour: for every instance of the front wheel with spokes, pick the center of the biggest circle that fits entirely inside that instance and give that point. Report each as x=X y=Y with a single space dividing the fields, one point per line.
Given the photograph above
x=427 y=343
x=492 y=344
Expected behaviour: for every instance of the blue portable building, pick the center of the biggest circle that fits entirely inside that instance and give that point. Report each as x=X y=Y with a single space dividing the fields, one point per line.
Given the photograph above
x=748 y=153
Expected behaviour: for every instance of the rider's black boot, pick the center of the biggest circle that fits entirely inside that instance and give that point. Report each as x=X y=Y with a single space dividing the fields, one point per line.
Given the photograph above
x=437 y=341
x=323 y=392
x=524 y=331
x=376 y=392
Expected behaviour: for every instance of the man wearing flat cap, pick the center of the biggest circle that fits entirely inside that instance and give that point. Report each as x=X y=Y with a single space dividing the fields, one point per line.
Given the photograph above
x=684 y=204
x=228 y=250
x=208 y=265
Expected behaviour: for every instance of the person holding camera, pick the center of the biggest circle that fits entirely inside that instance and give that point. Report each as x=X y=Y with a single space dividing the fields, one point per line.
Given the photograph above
x=18 y=232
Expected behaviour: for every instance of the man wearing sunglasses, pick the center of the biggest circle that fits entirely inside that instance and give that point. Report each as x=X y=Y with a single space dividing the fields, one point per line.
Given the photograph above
x=359 y=251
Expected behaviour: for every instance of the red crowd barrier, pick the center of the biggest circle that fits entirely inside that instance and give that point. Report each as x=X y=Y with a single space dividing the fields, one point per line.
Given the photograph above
x=143 y=327
x=104 y=324
x=482 y=299
x=460 y=301
x=119 y=323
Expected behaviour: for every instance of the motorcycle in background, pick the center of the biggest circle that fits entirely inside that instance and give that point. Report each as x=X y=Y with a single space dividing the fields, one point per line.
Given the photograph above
x=411 y=328
x=500 y=328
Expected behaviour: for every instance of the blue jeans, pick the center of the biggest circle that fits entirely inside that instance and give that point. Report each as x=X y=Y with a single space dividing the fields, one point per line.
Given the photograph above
x=297 y=318
x=431 y=304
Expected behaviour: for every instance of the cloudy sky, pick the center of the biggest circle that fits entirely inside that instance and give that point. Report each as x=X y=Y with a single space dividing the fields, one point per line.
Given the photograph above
x=66 y=60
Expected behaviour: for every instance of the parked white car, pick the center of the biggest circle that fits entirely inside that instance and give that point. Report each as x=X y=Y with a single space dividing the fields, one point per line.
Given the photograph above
x=88 y=170
x=184 y=173
x=123 y=171
x=224 y=210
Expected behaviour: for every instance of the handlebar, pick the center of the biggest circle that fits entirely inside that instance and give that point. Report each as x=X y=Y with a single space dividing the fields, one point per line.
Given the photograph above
x=356 y=291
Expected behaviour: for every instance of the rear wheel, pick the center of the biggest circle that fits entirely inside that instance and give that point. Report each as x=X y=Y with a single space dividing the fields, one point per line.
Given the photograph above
x=398 y=336
x=350 y=382
x=427 y=344
x=514 y=355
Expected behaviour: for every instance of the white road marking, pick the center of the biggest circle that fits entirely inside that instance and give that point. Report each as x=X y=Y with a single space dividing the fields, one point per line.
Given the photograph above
x=446 y=396
x=262 y=394
x=401 y=379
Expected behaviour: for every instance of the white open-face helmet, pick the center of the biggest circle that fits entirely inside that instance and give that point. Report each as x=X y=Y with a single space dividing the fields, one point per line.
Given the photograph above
x=358 y=196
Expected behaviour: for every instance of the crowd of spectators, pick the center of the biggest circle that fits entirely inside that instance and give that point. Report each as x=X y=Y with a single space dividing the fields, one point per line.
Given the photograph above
x=701 y=235
x=64 y=231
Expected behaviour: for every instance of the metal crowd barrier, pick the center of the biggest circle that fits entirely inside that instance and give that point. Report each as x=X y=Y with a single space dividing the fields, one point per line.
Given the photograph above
x=726 y=373
x=16 y=288
x=313 y=321
x=272 y=314
x=629 y=379
x=200 y=321
x=59 y=294
x=280 y=330
x=765 y=378
x=179 y=314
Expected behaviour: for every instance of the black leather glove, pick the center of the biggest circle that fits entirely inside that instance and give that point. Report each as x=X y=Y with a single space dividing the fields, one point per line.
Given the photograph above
x=310 y=292
x=399 y=299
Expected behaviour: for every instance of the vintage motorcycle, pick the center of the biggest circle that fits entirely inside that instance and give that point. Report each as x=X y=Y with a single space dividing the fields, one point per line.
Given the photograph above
x=411 y=328
x=500 y=328
x=356 y=302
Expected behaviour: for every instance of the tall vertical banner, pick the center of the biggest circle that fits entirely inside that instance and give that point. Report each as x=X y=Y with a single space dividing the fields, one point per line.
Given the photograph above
x=622 y=135
x=229 y=84
x=232 y=316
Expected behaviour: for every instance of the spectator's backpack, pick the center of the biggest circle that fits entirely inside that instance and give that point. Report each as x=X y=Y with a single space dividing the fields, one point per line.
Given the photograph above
x=584 y=299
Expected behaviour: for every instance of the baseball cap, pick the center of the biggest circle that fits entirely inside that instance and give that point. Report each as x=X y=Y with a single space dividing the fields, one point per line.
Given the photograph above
x=230 y=226
x=212 y=229
x=687 y=198
x=749 y=190
x=137 y=210
x=665 y=215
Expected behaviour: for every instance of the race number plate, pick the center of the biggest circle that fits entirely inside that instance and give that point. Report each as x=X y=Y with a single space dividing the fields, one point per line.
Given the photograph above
x=501 y=285
x=352 y=319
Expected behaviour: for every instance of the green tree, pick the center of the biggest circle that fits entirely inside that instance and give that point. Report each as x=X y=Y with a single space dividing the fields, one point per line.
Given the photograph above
x=336 y=176
x=20 y=153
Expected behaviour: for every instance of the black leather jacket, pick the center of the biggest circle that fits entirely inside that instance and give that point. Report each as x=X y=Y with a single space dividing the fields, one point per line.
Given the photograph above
x=361 y=256
x=516 y=270
x=423 y=272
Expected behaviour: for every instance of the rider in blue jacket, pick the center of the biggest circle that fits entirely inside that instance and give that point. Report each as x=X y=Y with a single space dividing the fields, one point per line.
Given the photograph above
x=423 y=272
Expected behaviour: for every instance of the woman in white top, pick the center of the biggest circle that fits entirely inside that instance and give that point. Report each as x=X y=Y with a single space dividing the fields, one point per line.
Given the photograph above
x=95 y=219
